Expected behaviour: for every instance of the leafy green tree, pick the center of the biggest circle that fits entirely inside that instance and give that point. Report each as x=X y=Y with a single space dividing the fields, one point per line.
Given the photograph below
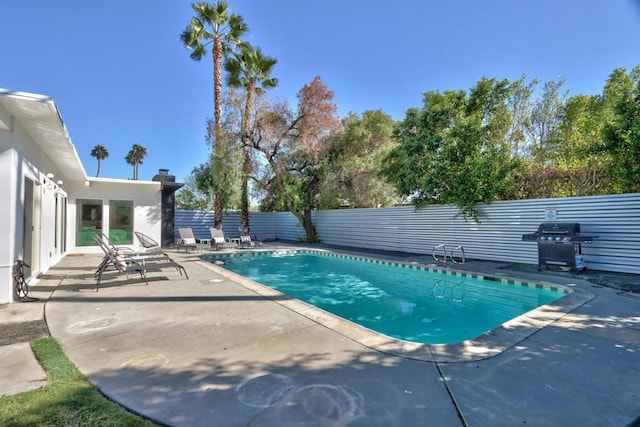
x=135 y=156
x=294 y=145
x=214 y=25
x=559 y=145
x=540 y=120
x=582 y=163
x=544 y=121
x=250 y=70
x=519 y=105
x=622 y=135
x=225 y=168
x=197 y=193
x=203 y=184
x=100 y=153
x=454 y=150
x=188 y=199
x=355 y=158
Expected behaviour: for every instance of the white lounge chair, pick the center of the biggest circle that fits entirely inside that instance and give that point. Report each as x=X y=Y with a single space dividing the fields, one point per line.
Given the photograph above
x=123 y=261
x=247 y=242
x=187 y=240
x=219 y=241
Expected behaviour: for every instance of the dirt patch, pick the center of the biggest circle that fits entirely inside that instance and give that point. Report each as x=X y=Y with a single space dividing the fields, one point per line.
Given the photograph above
x=13 y=333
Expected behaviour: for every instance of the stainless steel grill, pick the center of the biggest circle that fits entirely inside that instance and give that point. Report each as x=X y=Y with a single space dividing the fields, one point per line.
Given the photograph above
x=560 y=245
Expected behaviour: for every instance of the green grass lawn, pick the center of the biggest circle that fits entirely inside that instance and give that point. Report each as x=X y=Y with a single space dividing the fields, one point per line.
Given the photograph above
x=68 y=400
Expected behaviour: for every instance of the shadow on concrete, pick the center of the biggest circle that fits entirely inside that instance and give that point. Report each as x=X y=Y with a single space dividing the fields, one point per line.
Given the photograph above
x=302 y=389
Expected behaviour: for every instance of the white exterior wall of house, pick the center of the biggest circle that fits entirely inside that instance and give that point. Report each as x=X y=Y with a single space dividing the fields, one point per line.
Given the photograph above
x=34 y=144
x=146 y=198
x=8 y=184
x=21 y=159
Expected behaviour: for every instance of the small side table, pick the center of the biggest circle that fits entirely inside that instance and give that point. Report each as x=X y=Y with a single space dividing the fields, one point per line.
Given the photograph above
x=204 y=244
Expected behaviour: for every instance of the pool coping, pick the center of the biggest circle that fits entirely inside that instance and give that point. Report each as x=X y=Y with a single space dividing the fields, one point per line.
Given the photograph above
x=484 y=346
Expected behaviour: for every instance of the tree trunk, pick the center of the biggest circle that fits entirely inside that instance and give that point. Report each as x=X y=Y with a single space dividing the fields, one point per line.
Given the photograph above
x=217 y=86
x=217 y=214
x=244 y=207
x=217 y=120
x=305 y=217
x=309 y=228
x=246 y=164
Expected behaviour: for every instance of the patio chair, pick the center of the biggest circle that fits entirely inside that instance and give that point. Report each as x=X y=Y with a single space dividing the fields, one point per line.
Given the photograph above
x=187 y=240
x=123 y=261
x=247 y=242
x=105 y=239
x=107 y=246
x=219 y=241
x=147 y=243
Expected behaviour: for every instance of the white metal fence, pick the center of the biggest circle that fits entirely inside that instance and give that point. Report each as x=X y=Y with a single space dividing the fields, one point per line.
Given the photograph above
x=615 y=219
x=263 y=224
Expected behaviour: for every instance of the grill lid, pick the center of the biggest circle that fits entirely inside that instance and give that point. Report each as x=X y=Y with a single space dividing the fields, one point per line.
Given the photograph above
x=568 y=228
x=559 y=232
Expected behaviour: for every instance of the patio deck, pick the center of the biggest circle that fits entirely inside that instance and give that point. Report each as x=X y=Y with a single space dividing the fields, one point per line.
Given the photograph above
x=210 y=351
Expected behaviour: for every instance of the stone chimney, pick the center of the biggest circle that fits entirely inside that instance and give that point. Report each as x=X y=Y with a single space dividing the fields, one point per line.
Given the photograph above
x=168 y=205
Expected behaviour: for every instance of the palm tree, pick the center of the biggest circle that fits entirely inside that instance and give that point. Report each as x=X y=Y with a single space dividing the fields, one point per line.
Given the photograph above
x=214 y=24
x=251 y=70
x=134 y=157
x=100 y=153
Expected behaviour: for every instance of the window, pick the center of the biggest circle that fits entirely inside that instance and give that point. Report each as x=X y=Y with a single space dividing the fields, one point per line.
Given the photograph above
x=121 y=222
x=89 y=221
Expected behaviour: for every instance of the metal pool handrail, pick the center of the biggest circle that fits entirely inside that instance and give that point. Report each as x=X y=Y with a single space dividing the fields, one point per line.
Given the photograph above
x=442 y=246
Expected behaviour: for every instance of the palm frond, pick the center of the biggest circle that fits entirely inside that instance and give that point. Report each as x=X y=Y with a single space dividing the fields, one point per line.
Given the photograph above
x=237 y=26
x=199 y=52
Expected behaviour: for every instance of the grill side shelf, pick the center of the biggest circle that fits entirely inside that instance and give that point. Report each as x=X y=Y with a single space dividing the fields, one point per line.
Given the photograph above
x=530 y=237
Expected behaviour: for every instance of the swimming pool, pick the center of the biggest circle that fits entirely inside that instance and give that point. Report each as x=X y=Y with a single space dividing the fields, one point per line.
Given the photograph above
x=404 y=301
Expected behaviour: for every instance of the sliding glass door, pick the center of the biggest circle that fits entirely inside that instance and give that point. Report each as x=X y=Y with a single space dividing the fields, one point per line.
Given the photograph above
x=89 y=221
x=121 y=222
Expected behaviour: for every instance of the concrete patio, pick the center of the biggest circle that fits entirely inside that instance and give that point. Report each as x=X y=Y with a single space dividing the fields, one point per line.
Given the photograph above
x=211 y=351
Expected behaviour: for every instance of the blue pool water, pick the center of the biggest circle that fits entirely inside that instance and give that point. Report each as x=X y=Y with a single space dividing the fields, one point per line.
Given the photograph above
x=412 y=304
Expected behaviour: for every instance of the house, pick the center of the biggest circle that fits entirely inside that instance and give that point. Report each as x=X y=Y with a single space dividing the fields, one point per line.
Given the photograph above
x=51 y=207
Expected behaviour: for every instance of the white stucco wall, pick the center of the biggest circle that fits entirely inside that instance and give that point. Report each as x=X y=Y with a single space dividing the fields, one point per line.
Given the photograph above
x=7 y=213
x=21 y=158
x=34 y=144
x=146 y=198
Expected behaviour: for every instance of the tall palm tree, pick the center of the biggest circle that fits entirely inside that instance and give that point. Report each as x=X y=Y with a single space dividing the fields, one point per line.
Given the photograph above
x=134 y=157
x=100 y=153
x=250 y=70
x=214 y=24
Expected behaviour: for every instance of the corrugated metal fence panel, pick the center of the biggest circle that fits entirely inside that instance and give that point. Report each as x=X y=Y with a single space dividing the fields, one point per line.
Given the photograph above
x=230 y=223
x=288 y=227
x=615 y=219
x=262 y=224
x=198 y=221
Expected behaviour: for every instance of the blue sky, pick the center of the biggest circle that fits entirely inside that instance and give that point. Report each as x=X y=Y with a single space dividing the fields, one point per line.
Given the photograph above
x=120 y=76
